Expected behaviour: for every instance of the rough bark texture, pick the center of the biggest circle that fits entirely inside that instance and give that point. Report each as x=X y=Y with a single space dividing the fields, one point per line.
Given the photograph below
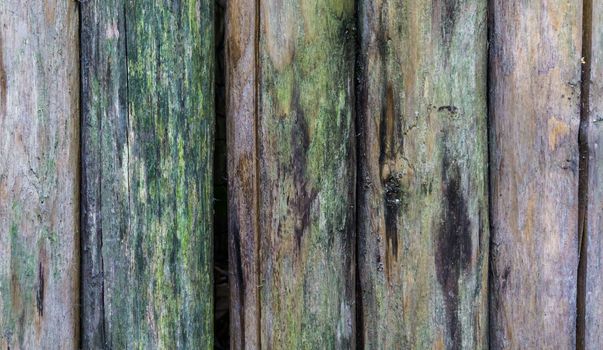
x=593 y=120
x=148 y=128
x=39 y=142
x=292 y=226
x=423 y=207
x=535 y=115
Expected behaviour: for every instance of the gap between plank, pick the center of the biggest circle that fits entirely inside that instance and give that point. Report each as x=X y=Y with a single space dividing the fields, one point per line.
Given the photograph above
x=583 y=174
x=489 y=132
x=358 y=132
x=256 y=162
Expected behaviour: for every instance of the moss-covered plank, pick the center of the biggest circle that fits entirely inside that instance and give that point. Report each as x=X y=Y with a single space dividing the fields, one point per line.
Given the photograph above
x=39 y=155
x=307 y=173
x=423 y=205
x=297 y=57
x=147 y=171
x=590 y=332
x=535 y=65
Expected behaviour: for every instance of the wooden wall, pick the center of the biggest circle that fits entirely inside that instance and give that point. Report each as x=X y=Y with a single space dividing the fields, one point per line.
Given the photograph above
x=401 y=174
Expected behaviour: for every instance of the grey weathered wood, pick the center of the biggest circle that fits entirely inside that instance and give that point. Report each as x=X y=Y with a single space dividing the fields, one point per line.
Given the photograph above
x=39 y=155
x=243 y=200
x=592 y=253
x=535 y=114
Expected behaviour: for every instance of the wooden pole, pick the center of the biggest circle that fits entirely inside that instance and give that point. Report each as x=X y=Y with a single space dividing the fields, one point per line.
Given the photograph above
x=423 y=204
x=148 y=128
x=292 y=177
x=39 y=155
x=535 y=65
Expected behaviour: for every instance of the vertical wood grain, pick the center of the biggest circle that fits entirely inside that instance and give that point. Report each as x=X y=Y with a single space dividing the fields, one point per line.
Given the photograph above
x=535 y=66
x=39 y=155
x=307 y=173
x=148 y=128
x=593 y=234
x=243 y=201
x=423 y=205
x=292 y=227
x=105 y=194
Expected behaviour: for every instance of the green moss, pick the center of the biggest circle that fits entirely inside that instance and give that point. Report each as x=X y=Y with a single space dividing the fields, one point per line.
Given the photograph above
x=170 y=118
x=306 y=126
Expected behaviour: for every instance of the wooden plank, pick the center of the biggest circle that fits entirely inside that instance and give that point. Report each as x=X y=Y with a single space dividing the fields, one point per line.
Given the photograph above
x=293 y=206
x=39 y=155
x=423 y=205
x=243 y=200
x=105 y=195
x=592 y=249
x=535 y=114
x=307 y=173
x=148 y=159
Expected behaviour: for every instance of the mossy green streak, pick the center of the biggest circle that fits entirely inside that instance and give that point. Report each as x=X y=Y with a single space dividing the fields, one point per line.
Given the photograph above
x=307 y=173
x=152 y=132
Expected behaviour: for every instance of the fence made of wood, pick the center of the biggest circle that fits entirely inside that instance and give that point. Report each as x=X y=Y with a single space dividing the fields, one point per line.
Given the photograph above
x=401 y=174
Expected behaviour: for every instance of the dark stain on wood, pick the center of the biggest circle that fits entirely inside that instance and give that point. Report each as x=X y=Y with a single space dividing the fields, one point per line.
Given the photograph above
x=388 y=120
x=453 y=253
x=505 y=277
x=391 y=184
x=449 y=109
x=238 y=265
x=392 y=208
x=237 y=270
x=304 y=196
x=40 y=293
x=445 y=15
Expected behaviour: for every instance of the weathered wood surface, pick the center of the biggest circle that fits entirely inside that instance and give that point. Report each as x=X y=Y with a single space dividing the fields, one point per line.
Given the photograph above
x=423 y=207
x=148 y=128
x=104 y=168
x=292 y=228
x=307 y=173
x=242 y=146
x=592 y=251
x=535 y=66
x=39 y=142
